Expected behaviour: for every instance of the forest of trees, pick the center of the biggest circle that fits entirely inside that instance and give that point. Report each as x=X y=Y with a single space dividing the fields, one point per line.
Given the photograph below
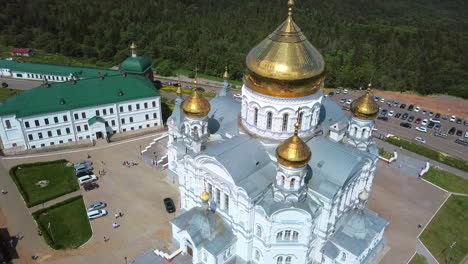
x=400 y=45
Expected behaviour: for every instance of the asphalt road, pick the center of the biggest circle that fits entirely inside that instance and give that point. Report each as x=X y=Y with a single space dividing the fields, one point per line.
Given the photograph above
x=392 y=126
x=20 y=84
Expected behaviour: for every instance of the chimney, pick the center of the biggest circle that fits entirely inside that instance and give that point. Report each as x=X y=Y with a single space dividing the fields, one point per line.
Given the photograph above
x=46 y=84
x=123 y=74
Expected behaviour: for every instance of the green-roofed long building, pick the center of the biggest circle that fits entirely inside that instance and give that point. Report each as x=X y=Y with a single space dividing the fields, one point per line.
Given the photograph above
x=90 y=106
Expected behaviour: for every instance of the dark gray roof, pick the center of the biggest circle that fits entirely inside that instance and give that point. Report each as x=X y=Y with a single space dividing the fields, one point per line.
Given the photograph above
x=356 y=229
x=271 y=206
x=177 y=114
x=330 y=113
x=223 y=115
x=330 y=250
x=333 y=164
x=246 y=161
x=206 y=229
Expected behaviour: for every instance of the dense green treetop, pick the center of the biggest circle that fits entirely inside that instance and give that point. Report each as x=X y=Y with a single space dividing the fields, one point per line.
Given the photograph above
x=401 y=45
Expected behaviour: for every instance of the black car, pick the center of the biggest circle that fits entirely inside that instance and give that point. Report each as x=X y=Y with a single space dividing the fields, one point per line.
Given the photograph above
x=405 y=124
x=402 y=106
x=411 y=108
x=410 y=119
x=430 y=125
x=465 y=123
x=331 y=93
x=398 y=115
x=169 y=204
x=404 y=116
x=383 y=118
x=461 y=141
x=452 y=131
x=4 y=85
x=459 y=133
x=200 y=89
x=459 y=121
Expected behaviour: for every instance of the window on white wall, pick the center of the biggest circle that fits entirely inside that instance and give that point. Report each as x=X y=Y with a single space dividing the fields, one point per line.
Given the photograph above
x=255 y=116
x=279 y=236
x=343 y=256
x=226 y=202
x=258 y=231
x=218 y=197
x=285 y=122
x=287 y=235
x=292 y=183
x=287 y=260
x=7 y=123
x=301 y=115
x=257 y=255
x=295 y=235
x=279 y=260
x=269 y=120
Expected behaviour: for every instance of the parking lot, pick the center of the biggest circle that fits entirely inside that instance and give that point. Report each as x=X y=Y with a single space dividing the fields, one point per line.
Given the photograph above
x=136 y=191
x=392 y=124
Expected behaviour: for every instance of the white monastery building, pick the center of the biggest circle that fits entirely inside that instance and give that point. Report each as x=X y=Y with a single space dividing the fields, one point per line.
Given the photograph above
x=81 y=107
x=282 y=177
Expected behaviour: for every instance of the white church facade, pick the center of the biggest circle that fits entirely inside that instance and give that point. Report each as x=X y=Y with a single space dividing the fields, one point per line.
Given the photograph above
x=282 y=177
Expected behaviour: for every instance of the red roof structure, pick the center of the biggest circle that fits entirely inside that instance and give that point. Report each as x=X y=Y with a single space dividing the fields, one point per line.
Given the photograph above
x=19 y=50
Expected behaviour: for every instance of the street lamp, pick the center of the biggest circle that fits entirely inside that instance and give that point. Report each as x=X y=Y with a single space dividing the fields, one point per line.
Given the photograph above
x=125 y=260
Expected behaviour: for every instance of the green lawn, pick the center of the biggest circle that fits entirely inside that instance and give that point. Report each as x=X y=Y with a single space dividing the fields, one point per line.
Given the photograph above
x=7 y=92
x=61 y=180
x=69 y=224
x=418 y=259
x=208 y=77
x=448 y=226
x=428 y=153
x=447 y=180
x=385 y=154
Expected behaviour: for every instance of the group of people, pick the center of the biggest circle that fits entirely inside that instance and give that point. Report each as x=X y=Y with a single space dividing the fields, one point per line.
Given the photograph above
x=130 y=164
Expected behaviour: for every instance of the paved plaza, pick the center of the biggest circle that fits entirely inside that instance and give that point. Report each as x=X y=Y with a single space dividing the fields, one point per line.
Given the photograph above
x=405 y=201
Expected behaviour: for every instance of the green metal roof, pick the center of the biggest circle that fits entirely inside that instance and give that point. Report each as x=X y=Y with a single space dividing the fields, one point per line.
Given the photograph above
x=55 y=69
x=95 y=119
x=87 y=92
x=138 y=64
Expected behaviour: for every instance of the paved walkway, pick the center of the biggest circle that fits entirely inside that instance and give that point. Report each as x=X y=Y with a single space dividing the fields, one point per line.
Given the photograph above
x=54 y=201
x=390 y=147
x=421 y=250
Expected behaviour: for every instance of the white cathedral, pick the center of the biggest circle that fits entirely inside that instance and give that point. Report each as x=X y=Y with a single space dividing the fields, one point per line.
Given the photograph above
x=281 y=177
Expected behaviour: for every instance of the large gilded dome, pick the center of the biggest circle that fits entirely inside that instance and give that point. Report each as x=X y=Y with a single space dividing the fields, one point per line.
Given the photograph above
x=293 y=152
x=196 y=105
x=365 y=107
x=285 y=64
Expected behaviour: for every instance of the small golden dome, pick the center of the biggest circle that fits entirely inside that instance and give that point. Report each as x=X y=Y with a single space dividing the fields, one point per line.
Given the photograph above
x=293 y=152
x=365 y=107
x=196 y=105
x=285 y=64
x=226 y=74
x=205 y=196
x=133 y=46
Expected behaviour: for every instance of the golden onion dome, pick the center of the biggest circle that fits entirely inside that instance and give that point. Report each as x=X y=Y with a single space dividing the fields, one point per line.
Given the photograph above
x=226 y=73
x=293 y=152
x=365 y=107
x=196 y=105
x=285 y=64
x=205 y=196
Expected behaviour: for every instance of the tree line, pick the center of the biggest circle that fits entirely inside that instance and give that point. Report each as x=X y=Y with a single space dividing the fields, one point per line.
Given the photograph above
x=400 y=45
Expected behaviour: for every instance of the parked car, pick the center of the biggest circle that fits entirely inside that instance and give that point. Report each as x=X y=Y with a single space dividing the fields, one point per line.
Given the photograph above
x=338 y=91
x=4 y=85
x=435 y=120
x=466 y=134
x=461 y=141
x=442 y=135
x=383 y=118
x=431 y=113
x=391 y=113
x=437 y=127
x=452 y=131
x=420 y=139
x=417 y=108
x=96 y=214
x=406 y=124
x=410 y=119
x=345 y=91
x=453 y=118
x=402 y=106
x=395 y=104
x=331 y=94
x=459 y=133
x=87 y=178
x=83 y=163
x=424 y=122
x=421 y=129
x=349 y=101
x=96 y=206
x=404 y=116
x=411 y=108
x=418 y=121
x=343 y=100
x=376 y=98
x=465 y=123
x=384 y=112
x=90 y=186
x=459 y=121
x=398 y=115
x=382 y=100
x=430 y=125
x=437 y=115
x=169 y=204
x=424 y=112
x=82 y=170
